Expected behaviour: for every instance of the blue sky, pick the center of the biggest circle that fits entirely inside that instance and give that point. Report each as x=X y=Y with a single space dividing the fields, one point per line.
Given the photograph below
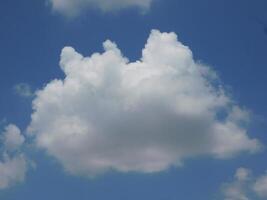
x=225 y=35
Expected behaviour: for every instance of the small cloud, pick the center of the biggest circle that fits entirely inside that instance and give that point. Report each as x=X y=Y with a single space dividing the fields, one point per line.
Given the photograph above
x=12 y=170
x=242 y=174
x=239 y=187
x=13 y=139
x=23 y=90
x=260 y=186
x=13 y=163
x=245 y=186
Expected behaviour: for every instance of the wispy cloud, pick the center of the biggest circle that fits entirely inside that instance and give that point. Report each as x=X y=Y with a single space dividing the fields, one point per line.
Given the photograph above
x=23 y=90
x=74 y=7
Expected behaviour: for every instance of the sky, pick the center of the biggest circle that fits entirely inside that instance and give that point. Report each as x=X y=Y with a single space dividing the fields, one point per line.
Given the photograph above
x=131 y=99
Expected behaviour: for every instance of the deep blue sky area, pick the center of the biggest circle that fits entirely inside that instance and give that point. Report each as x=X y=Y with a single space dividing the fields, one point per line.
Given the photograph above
x=223 y=34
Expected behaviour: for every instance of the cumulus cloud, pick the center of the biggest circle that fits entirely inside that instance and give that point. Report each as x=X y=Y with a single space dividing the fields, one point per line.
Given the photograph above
x=245 y=186
x=144 y=116
x=74 y=7
x=13 y=163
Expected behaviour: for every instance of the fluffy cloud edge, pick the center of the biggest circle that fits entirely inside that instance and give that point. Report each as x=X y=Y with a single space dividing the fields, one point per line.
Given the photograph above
x=165 y=85
x=13 y=164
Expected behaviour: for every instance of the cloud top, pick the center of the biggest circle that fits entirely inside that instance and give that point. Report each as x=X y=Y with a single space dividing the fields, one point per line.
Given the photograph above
x=144 y=116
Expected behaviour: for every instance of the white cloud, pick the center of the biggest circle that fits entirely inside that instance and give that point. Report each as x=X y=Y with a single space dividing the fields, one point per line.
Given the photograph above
x=13 y=165
x=12 y=138
x=145 y=116
x=242 y=174
x=237 y=190
x=74 y=7
x=23 y=90
x=260 y=186
x=245 y=186
x=12 y=170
